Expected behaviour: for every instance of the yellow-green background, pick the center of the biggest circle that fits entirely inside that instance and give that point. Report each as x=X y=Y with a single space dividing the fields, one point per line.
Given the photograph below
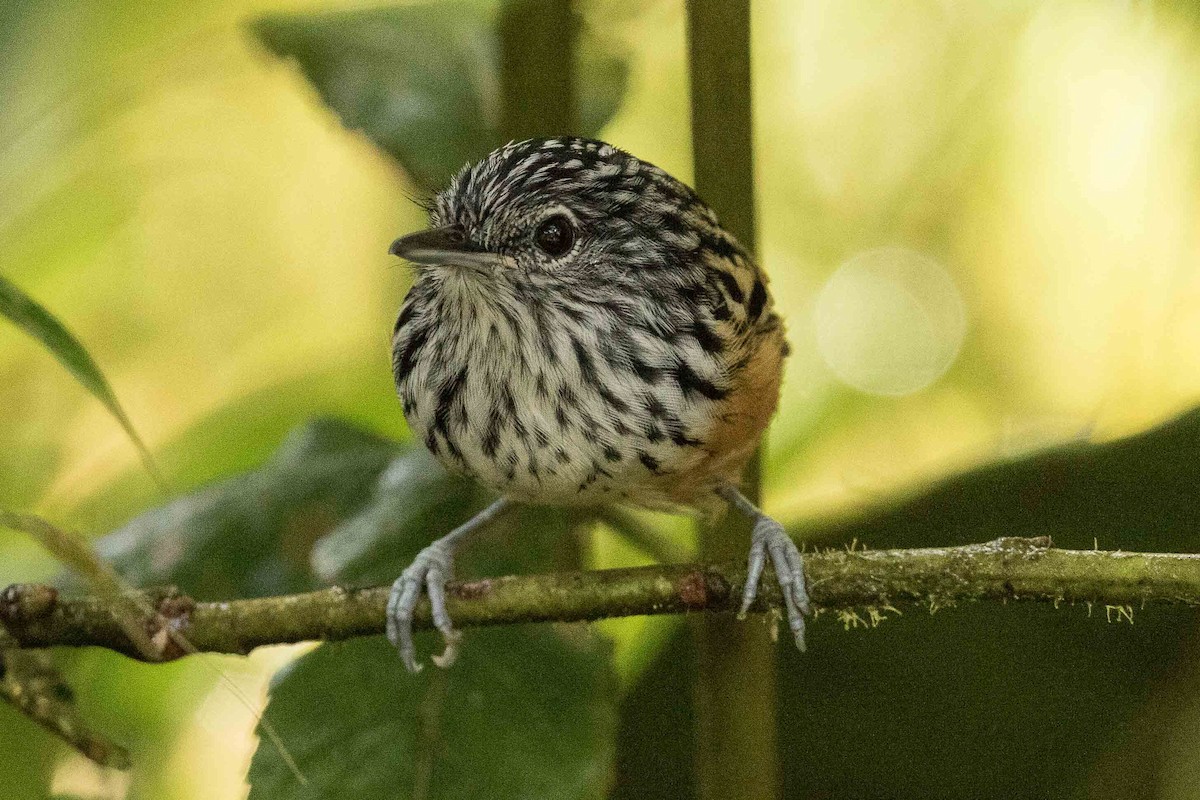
x=186 y=205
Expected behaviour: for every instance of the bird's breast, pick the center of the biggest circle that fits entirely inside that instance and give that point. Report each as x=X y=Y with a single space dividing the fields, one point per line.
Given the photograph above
x=558 y=408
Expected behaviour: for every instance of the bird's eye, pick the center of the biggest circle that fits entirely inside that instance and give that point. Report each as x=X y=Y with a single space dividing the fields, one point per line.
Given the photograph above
x=555 y=236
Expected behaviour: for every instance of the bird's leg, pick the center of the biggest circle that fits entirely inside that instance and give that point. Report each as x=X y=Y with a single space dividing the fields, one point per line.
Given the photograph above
x=431 y=569
x=769 y=539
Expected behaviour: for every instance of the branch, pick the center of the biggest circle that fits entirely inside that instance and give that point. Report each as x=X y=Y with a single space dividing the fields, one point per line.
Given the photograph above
x=1006 y=569
x=30 y=683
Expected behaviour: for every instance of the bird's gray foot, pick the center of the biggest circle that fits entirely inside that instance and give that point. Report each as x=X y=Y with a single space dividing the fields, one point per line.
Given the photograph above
x=430 y=570
x=769 y=539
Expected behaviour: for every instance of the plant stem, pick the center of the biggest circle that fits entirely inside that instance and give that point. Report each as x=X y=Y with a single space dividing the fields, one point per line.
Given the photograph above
x=736 y=743
x=537 y=83
x=30 y=683
x=537 y=68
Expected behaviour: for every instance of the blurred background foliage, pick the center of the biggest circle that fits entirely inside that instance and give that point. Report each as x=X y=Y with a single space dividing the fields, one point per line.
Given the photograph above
x=980 y=220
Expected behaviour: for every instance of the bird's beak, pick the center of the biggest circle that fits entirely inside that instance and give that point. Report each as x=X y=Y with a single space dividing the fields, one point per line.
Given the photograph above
x=442 y=247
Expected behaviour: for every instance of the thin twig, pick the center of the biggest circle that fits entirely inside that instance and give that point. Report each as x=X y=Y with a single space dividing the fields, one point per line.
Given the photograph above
x=148 y=621
x=30 y=683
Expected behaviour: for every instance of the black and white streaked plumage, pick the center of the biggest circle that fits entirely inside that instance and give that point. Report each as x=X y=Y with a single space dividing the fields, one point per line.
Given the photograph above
x=581 y=330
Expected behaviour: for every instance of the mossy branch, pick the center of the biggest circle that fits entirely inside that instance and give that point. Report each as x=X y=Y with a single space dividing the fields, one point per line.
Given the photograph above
x=1006 y=569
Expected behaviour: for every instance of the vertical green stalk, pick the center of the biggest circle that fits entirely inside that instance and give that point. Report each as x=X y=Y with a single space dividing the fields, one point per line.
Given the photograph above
x=537 y=68
x=538 y=98
x=736 y=748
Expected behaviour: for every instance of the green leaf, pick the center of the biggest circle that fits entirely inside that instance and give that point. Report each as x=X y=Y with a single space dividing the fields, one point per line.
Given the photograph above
x=356 y=505
x=251 y=535
x=1050 y=695
x=422 y=81
x=412 y=503
x=525 y=713
x=1136 y=493
x=28 y=315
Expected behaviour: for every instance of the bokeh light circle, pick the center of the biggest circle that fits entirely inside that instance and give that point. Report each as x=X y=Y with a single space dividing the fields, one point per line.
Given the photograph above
x=889 y=321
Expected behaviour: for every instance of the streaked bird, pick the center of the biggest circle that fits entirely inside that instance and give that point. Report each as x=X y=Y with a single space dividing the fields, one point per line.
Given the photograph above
x=582 y=331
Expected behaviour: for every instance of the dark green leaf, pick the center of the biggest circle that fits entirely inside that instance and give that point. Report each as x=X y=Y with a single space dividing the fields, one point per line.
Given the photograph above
x=354 y=505
x=1137 y=493
x=1052 y=696
x=525 y=713
x=422 y=81
x=24 y=312
x=983 y=701
x=251 y=535
x=413 y=502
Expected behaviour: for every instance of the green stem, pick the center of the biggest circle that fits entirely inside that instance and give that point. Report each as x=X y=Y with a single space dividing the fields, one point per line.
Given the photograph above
x=30 y=683
x=722 y=131
x=537 y=68
x=1006 y=570
x=537 y=83
x=736 y=753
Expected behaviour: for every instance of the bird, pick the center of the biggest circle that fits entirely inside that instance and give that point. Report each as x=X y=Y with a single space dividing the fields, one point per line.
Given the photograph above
x=581 y=331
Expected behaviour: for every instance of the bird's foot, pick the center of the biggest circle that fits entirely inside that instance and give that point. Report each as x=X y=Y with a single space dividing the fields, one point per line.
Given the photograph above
x=431 y=570
x=770 y=539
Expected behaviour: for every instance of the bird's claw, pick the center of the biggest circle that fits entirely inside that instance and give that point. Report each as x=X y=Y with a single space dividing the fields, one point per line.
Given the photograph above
x=431 y=570
x=769 y=539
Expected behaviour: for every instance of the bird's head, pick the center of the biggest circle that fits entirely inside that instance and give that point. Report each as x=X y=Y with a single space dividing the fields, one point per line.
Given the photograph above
x=564 y=212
